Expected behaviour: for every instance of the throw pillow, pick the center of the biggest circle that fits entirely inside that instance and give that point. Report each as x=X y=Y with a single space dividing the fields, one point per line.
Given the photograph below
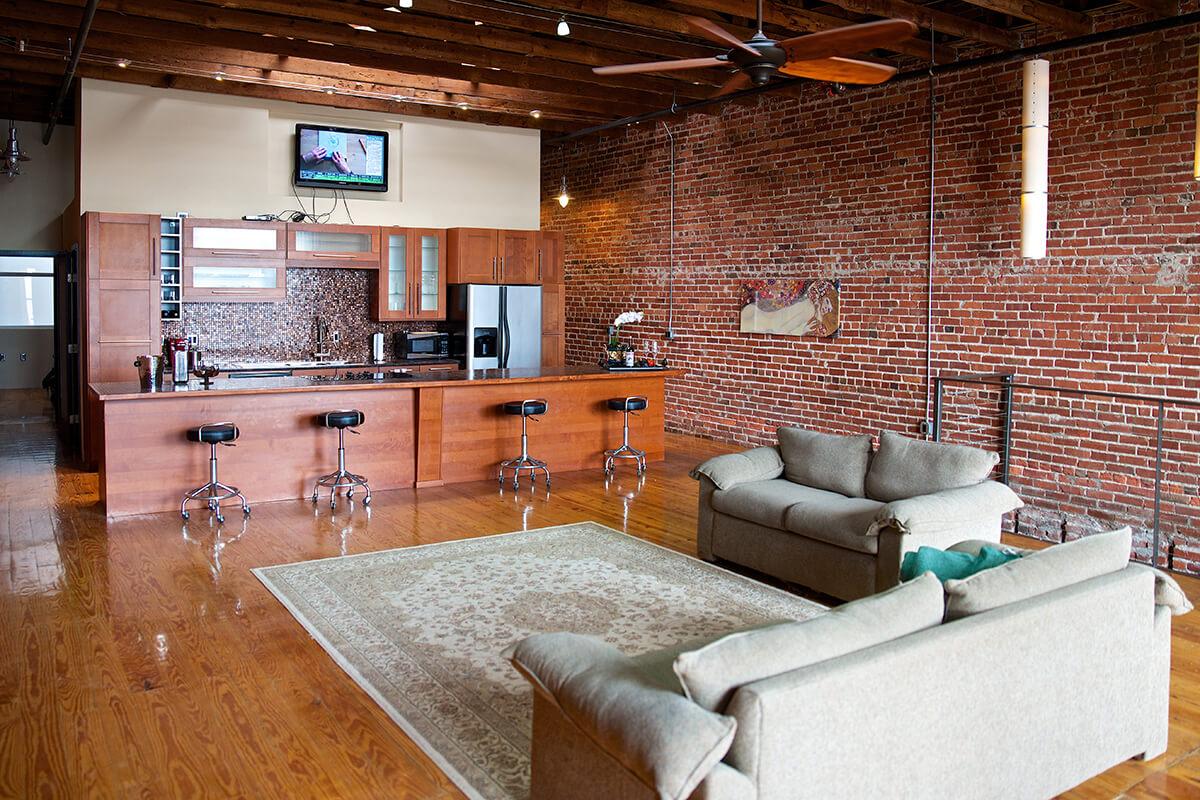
x=731 y=469
x=711 y=674
x=947 y=564
x=904 y=467
x=1039 y=572
x=825 y=460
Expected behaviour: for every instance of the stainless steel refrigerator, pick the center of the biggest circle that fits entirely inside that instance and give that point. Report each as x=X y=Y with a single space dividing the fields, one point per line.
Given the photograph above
x=500 y=327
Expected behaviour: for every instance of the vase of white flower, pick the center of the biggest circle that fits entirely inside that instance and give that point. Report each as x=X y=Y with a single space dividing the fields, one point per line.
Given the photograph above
x=618 y=353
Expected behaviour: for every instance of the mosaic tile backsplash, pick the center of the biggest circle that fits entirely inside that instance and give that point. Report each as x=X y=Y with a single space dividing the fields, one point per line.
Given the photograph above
x=288 y=330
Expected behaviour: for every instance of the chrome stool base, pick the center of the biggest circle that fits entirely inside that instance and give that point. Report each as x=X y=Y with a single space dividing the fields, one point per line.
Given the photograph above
x=526 y=463
x=626 y=451
x=342 y=479
x=214 y=492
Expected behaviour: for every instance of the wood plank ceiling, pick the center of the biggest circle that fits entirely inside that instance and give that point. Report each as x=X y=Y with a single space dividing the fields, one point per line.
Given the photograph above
x=492 y=61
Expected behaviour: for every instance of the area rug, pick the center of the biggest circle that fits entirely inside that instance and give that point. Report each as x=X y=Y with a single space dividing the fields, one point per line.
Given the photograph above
x=421 y=629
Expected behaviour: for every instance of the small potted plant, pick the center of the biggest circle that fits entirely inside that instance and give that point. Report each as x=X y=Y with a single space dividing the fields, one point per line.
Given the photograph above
x=619 y=354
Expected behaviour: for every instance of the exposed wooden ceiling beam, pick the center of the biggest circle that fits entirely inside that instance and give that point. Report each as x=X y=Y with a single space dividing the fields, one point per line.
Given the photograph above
x=437 y=42
x=185 y=35
x=1159 y=8
x=222 y=59
x=793 y=18
x=1056 y=17
x=932 y=18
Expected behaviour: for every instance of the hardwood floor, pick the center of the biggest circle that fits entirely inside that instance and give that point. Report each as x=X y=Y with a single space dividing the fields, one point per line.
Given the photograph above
x=142 y=659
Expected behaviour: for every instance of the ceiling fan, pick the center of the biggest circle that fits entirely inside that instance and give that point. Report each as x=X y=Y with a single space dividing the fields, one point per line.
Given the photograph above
x=820 y=56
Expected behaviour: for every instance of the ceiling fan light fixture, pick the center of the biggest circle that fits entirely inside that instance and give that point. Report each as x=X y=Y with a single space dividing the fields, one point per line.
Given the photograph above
x=563 y=28
x=563 y=197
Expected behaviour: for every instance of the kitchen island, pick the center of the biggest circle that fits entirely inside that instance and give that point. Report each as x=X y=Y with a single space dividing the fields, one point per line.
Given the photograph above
x=424 y=429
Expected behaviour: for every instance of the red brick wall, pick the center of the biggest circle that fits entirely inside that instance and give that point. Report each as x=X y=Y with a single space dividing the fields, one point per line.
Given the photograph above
x=809 y=185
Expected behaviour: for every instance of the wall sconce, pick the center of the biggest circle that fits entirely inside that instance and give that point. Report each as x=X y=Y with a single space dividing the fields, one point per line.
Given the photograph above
x=1035 y=157
x=563 y=197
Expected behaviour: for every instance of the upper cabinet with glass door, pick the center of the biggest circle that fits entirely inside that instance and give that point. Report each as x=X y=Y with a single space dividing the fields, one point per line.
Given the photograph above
x=412 y=275
x=339 y=246
x=224 y=239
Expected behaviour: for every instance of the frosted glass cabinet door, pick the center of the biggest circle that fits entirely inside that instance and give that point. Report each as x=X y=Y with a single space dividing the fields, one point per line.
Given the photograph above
x=396 y=274
x=210 y=239
x=234 y=283
x=429 y=282
x=344 y=246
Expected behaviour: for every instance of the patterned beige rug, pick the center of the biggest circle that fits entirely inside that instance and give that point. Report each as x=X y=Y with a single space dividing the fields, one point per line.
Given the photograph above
x=421 y=629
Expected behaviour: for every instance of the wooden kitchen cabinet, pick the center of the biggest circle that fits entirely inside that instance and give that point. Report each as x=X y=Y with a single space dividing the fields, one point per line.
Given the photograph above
x=411 y=283
x=471 y=256
x=485 y=255
x=262 y=281
x=120 y=304
x=554 y=350
x=218 y=240
x=336 y=246
x=550 y=257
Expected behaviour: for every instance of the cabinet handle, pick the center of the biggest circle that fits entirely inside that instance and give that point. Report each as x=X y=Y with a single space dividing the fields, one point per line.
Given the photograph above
x=234 y=291
x=237 y=252
x=493 y=268
x=539 y=266
x=334 y=255
x=500 y=276
x=156 y=255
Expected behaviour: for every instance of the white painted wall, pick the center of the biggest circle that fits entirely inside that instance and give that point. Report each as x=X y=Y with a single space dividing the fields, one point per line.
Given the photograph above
x=150 y=150
x=31 y=204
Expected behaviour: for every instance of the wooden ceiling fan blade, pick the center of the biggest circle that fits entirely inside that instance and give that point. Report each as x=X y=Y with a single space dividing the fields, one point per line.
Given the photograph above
x=848 y=40
x=839 y=70
x=715 y=33
x=736 y=83
x=660 y=66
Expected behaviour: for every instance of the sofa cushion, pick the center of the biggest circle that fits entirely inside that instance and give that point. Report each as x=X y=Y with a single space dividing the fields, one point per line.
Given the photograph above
x=834 y=519
x=669 y=743
x=731 y=469
x=1038 y=572
x=767 y=502
x=825 y=460
x=906 y=467
x=711 y=674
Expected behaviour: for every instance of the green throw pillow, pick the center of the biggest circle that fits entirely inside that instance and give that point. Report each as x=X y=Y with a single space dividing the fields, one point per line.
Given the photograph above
x=948 y=564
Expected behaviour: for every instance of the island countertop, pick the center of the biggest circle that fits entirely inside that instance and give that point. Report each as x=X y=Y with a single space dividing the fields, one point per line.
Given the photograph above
x=132 y=390
x=424 y=429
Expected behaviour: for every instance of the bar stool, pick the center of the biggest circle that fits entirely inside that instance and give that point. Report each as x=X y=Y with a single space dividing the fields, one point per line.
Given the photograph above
x=342 y=420
x=525 y=409
x=213 y=492
x=626 y=405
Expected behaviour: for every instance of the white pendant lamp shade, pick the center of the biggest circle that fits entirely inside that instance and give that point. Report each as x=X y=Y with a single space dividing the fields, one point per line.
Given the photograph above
x=1035 y=158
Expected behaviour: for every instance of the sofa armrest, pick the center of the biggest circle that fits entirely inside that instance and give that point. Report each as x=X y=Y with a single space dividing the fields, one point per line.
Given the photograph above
x=731 y=469
x=665 y=741
x=947 y=509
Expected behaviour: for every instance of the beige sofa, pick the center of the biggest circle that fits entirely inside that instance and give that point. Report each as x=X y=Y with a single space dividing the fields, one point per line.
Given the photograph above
x=825 y=512
x=1019 y=682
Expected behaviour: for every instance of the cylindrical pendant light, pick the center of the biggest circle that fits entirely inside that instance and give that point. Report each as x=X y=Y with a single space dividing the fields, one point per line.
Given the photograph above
x=1035 y=158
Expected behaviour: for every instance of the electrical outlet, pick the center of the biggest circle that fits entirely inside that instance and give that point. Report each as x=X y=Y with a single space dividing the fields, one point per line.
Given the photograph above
x=335 y=337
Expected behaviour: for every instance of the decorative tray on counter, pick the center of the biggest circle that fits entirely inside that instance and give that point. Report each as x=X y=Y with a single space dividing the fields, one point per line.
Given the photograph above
x=617 y=366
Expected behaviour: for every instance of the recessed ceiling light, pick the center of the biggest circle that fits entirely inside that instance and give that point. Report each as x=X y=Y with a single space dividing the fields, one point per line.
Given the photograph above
x=535 y=114
x=366 y=28
x=122 y=63
x=464 y=106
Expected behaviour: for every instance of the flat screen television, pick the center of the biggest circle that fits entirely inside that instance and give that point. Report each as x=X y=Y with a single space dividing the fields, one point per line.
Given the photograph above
x=341 y=158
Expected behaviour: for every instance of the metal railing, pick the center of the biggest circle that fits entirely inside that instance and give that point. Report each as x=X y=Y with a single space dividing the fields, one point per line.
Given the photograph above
x=1006 y=384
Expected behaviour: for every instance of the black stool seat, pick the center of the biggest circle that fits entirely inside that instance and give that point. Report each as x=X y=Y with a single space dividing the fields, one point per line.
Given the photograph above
x=346 y=418
x=525 y=408
x=627 y=404
x=212 y=434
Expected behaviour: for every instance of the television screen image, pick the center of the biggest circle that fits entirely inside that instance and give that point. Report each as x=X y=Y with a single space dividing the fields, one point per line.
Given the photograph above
x=341 y=158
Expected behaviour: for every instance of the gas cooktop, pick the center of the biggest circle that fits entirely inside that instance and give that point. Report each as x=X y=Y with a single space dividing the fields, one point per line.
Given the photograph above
x=364 y=375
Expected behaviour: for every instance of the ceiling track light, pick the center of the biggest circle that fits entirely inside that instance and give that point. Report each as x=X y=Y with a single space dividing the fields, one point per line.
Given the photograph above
x=220 y=76
x=122 y=63
x=563 y=28
x=406 y=3
x=536 y=114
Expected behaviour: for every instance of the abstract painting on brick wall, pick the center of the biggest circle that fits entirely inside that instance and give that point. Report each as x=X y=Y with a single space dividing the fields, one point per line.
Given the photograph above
x=791 y=307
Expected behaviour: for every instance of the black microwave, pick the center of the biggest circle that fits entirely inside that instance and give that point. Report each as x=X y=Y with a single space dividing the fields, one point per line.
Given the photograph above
x=422 y=344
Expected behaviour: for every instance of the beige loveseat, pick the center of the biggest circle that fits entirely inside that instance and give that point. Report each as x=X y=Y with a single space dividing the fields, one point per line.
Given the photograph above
x=825 y=512
x=1019 y=682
